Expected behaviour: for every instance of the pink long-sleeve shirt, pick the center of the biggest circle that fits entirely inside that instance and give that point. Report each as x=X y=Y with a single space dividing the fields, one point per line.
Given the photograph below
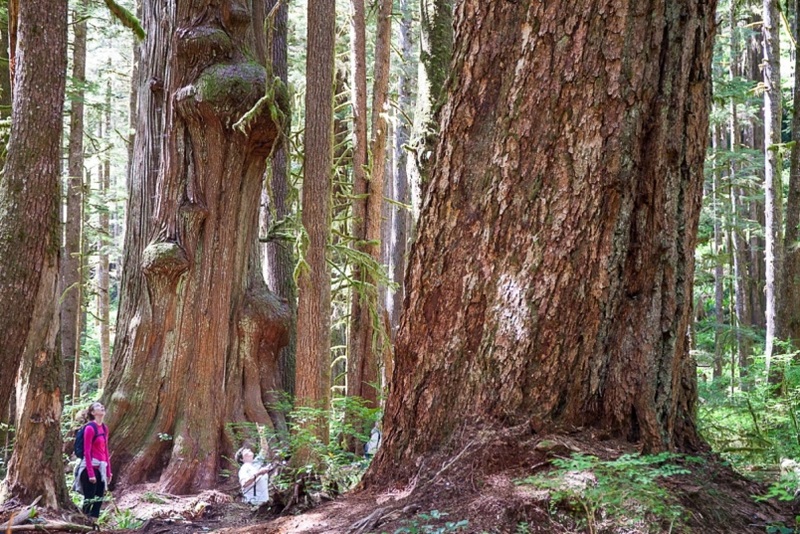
x=96 y=448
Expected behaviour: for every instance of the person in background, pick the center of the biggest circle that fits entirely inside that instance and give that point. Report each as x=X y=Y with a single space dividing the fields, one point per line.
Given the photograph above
x=253 y=477
x=94 y=471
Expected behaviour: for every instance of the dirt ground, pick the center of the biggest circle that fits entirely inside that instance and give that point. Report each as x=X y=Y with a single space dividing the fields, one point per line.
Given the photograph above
x=477 y=493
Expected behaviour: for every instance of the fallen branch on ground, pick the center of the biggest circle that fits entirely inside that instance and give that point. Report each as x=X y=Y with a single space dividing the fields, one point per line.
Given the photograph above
x=50 y=526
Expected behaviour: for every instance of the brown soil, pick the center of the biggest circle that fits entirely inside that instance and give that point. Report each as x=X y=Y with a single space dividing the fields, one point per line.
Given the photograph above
x=479 y=487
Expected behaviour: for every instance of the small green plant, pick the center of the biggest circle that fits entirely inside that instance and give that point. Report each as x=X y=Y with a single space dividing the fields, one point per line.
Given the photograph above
x=625 y=489
x=422 y=524
x=119 y=519
x=154 y=498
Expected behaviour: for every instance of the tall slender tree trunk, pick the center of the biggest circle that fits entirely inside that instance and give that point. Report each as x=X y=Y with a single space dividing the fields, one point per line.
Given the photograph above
x=29 y=245
x=190 y=314
x=103 y=302
x=278 y=254
x=360 y=355
x=314 y=281
x=772 y=178
x=363 y=379
x=6 y=416
x=754 y=138
x=719 y=317
x=789 y=310
x=738 y=243
x=562 y=292
x=401 y=219
x=70 y=278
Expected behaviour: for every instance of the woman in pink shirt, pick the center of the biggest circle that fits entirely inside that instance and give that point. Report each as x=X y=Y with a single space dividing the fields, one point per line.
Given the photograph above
x=95 y=472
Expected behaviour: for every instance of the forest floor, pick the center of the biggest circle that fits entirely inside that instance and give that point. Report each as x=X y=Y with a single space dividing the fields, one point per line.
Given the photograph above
x=481 y=492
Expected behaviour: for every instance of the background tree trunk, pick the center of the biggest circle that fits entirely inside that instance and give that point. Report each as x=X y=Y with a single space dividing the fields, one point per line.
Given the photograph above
x=401 y=219
x=772 y=176
x=103 y=302
x=70 y=262
x=551 y=282
x=435 y=53
x=314 y=282
x=278 y=254
x=363 y=379
x=29 y=244
x=790 y=303
x=719 y=319
x=191 y=322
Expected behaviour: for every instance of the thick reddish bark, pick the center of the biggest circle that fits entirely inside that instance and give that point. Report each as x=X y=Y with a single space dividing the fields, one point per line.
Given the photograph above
x=195 y=328
x=551 y=282
x=29 y=243
x=314 y=281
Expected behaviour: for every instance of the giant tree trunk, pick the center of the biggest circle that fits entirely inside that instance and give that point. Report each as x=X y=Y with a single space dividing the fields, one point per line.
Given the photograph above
x=314 y=281
x=551 y=280
x=29 y=189
x=70 y=261
x=193 y=330
x=29 y=243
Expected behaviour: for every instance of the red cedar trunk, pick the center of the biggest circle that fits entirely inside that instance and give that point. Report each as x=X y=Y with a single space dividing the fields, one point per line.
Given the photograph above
x=194 y=329
x=551 y=281
x=314 y=282
x=70 y=263
x=29 y=243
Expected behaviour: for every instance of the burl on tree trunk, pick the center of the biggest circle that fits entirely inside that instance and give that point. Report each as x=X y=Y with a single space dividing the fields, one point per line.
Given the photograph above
x=199 y=333
x=551 y=282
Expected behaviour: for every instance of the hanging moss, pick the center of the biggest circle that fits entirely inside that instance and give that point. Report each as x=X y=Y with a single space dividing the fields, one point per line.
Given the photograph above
x=127 y=18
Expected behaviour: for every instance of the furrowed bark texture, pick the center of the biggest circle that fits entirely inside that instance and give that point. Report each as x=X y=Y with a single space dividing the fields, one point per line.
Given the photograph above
x=29 y=251
x=29 y=187
x=193 y=331
x=314 y=282
x=551 y=281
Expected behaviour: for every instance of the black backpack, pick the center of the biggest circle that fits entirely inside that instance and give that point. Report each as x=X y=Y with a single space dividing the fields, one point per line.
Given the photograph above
x=79 y=445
